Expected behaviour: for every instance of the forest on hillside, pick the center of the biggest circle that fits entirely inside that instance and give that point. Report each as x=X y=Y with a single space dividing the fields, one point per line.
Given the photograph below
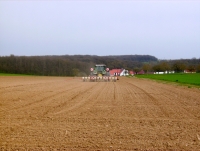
x=79 y=65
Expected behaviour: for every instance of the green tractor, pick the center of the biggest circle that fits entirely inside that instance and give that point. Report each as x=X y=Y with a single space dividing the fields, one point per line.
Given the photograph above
x=99 y=70
x=99 y=73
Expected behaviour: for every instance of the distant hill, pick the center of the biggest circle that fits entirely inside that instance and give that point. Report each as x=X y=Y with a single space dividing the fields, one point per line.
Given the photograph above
x=79 y=65
x=139 y=58
x=69 y=65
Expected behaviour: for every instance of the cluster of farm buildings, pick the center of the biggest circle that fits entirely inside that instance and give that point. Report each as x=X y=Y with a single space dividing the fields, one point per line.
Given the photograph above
x=124 y=72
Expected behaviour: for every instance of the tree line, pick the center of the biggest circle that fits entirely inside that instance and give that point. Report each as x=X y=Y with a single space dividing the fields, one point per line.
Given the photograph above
x=191 y=65
x=79 y=65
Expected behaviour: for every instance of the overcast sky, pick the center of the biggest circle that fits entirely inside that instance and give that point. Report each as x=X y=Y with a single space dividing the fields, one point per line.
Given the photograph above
x=164 y=29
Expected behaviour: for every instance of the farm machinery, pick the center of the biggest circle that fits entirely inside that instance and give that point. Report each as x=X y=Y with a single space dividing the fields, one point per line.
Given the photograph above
x=99 y=73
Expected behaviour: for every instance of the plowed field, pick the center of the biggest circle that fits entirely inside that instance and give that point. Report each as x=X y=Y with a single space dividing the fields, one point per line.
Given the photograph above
x=53 y=113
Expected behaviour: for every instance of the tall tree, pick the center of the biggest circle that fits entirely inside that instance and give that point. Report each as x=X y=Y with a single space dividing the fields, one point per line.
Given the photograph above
x=146 y=67
x=178 y=66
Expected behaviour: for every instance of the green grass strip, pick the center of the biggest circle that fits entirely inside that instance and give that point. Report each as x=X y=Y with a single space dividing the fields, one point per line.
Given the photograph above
x=184 y=78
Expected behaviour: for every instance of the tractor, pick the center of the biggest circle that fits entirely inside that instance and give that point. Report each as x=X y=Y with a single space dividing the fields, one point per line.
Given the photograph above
x=99 y=73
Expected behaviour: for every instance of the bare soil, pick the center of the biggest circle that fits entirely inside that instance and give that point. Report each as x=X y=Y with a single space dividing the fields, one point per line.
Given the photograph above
x=59 y=113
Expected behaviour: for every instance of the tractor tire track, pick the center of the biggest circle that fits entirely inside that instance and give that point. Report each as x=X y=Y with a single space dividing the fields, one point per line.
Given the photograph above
x=153 y=99
x=174 y=106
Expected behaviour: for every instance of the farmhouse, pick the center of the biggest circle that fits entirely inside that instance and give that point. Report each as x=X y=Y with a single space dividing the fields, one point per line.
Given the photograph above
x=124 y=72
x=189 y=71
x=119 y=72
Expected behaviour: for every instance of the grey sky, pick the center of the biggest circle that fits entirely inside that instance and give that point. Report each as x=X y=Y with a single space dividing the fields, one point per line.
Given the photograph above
x=164 y=29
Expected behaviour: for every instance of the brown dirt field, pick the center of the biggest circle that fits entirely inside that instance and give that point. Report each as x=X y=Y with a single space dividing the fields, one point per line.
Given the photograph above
x=59 y=113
